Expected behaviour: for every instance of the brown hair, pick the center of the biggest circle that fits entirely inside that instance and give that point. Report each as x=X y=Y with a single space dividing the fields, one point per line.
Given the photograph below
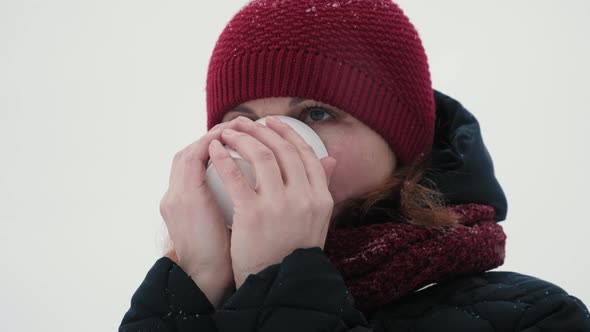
x=402 y=197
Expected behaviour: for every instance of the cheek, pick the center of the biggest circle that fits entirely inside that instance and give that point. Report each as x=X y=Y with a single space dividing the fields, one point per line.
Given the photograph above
x=348 y=174
x=363 y=164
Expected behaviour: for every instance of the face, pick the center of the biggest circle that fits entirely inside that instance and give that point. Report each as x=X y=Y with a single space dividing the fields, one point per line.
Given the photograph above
x=364 y=159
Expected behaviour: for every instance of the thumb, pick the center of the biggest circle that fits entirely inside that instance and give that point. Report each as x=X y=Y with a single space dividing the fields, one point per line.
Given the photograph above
x=329 y=163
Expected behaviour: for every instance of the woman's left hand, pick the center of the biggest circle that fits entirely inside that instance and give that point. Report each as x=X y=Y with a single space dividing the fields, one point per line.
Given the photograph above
x=290 y=206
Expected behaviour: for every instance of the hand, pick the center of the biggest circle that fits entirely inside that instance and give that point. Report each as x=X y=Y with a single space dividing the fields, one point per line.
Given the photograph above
x=199 y=235
x=290 y=206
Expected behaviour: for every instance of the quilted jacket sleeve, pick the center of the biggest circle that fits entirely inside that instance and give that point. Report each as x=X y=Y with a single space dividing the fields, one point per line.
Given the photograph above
x=487 y=302
x=303 y=293
x=168 y=300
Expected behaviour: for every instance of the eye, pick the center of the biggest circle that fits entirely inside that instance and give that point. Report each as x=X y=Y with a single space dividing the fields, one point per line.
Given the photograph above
x=316 y=113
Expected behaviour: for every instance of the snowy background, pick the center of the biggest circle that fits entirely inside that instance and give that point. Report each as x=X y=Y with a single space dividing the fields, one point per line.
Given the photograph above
x=97 y=96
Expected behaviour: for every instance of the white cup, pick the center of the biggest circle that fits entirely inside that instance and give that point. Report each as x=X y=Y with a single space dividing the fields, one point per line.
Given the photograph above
x=215 y=183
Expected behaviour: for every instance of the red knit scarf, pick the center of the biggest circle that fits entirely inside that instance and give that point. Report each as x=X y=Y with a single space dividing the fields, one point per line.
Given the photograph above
x=383 y=262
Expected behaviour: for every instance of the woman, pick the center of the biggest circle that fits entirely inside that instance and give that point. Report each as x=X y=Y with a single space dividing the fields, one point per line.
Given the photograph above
x=407 y=197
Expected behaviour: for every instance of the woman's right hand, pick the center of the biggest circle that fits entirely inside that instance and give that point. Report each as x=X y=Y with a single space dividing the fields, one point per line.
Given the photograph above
x=199 y=235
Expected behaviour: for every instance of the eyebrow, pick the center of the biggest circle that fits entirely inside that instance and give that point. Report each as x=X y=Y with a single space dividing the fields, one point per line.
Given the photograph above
x=245 y=109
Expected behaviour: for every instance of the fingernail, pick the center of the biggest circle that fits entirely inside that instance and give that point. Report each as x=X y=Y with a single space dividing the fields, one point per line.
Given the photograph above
x=272 y=119
x=216 y=144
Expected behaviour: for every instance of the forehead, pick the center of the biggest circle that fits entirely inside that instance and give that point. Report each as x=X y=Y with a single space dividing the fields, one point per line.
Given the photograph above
x=267 y=105
x=271 y=102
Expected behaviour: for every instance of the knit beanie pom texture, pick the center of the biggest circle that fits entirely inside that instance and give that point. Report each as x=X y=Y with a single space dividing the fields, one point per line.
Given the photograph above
x=361 y=56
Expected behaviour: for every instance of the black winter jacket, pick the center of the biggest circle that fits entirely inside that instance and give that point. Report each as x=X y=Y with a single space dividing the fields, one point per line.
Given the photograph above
x=306 y=292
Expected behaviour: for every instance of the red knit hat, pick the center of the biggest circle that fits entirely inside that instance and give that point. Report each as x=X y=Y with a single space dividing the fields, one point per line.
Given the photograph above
x=361 y=56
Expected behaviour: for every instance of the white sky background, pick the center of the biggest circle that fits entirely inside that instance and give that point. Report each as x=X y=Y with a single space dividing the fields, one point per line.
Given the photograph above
x=97 y=96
